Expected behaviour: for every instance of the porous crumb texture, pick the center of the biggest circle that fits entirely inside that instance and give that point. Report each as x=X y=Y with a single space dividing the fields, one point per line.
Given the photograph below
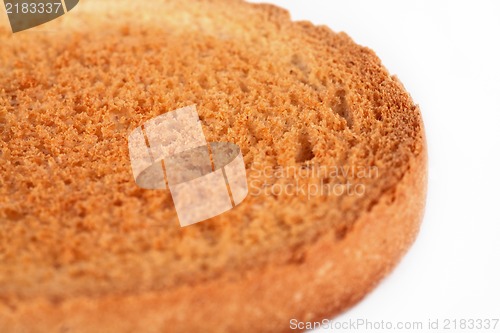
x=290 y=94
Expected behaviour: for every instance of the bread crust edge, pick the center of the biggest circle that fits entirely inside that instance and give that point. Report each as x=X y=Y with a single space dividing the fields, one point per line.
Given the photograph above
x=331 y=277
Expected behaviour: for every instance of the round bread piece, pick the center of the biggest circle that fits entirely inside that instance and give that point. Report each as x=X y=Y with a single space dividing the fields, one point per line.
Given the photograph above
x=84 y=249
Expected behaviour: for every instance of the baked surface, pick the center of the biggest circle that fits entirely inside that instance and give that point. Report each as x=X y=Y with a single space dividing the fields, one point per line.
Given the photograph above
x=83 y=249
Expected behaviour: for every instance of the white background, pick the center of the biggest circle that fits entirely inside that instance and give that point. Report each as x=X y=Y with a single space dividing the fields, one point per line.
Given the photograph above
x=447 y=55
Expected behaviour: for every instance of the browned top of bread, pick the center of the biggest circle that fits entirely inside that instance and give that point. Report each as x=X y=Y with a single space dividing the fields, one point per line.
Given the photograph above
x=72 y=220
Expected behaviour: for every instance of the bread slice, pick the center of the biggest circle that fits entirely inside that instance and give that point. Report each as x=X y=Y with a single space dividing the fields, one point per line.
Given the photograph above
x=84 y=249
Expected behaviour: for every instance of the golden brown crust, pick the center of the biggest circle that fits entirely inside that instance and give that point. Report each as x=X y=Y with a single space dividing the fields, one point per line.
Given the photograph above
x=330 y=278
x=327 y=275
